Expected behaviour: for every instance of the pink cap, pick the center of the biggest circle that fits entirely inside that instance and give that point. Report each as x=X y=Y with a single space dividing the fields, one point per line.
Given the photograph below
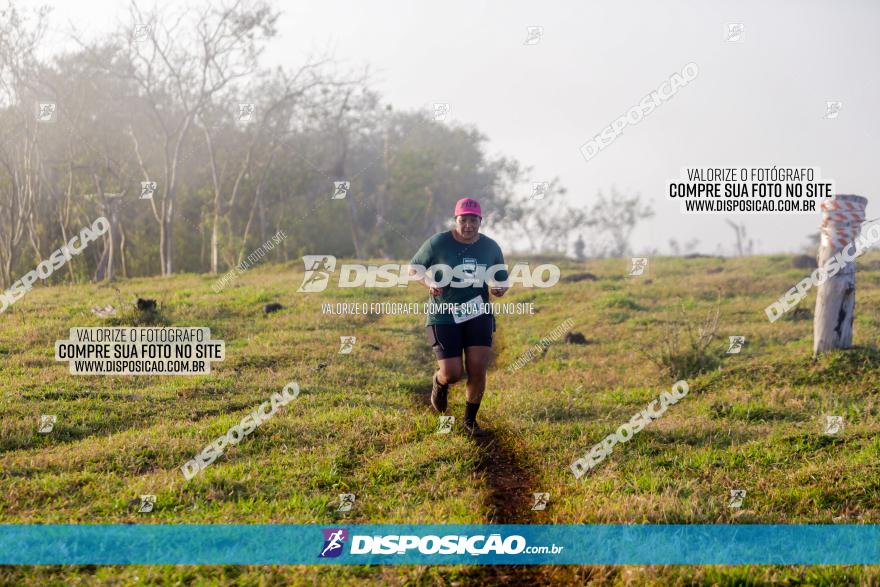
x=468 y=206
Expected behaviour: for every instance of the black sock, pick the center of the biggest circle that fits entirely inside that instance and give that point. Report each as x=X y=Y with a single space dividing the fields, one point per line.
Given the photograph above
x=470 y=411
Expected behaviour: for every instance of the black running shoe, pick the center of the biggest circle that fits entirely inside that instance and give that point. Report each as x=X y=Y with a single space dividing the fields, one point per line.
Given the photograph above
x=439 y=395
x=474 y=429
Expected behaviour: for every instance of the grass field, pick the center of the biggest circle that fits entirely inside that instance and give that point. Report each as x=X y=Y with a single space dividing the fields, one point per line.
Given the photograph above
x=361 y=424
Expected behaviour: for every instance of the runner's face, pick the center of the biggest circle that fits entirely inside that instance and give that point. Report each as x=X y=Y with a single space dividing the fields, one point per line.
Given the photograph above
x=468 y=225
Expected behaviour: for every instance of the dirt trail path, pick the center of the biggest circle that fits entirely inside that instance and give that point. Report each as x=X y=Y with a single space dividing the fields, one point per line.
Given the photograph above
x=510 y=501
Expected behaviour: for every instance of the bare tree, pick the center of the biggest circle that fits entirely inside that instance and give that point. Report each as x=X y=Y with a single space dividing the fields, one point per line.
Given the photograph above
x=744 y=244
x=272 y=119
x=20 y=154
x=614 y=219
x=156 y=100
x=546 y=222
x=178 y=64
x=346 y=113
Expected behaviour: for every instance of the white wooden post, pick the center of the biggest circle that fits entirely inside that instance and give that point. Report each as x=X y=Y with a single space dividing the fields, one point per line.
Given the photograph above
x=842 y=218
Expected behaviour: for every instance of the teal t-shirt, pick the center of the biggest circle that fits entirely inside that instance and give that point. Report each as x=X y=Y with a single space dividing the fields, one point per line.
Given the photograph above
x=443 y=249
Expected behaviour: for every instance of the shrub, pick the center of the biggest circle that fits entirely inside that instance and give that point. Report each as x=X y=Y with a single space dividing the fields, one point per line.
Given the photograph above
x=683 y=351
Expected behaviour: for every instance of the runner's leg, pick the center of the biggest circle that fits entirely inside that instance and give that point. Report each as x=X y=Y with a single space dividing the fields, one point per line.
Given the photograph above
x=450 y=371
x=477 y=363
x=477 y=353
x=446 y=342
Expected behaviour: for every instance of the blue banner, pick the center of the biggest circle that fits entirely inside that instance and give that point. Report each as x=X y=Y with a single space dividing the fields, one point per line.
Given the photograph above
x=439 y=544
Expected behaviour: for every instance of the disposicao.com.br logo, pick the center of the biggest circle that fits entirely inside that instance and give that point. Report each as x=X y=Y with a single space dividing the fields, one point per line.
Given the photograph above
x=334 y=540
x=453 y=544
x=319 y=268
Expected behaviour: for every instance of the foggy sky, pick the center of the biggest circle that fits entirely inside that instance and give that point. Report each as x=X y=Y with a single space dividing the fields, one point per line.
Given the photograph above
x=759 y=101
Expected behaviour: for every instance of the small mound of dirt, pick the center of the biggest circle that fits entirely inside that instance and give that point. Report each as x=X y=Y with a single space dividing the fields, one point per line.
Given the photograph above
x=799 y=314
x=575 y=338
x=146 y=305
x=143 y=312
x=803 y=262
x=574 y=278
x=873 y=265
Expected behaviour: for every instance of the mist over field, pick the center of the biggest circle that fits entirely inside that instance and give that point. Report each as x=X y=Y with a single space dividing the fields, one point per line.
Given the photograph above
x=244 y=245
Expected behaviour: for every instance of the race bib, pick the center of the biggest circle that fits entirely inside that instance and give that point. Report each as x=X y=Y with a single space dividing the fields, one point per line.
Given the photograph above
x=469 y=268
x=468 y=310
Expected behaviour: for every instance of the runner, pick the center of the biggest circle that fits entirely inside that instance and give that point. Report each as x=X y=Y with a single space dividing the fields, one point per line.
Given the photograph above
x=469 y=329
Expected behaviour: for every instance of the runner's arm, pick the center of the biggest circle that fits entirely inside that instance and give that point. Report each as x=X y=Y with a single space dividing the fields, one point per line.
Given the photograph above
x=426 y=282
x=501 y=285
x=422 y=259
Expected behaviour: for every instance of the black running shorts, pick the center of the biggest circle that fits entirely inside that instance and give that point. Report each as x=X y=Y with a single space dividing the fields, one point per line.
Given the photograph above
x=449 y=340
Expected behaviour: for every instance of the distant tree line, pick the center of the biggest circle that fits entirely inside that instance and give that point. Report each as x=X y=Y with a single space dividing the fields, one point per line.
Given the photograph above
x=170 y=128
